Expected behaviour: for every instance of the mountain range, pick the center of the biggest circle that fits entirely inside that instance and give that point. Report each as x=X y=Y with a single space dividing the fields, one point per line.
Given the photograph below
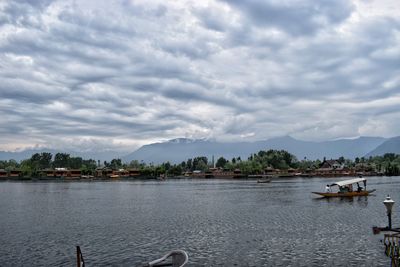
x=391 y=145
x=178 y=150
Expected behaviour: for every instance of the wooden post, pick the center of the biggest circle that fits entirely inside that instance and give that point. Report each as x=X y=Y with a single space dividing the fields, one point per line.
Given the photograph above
x=79 y=257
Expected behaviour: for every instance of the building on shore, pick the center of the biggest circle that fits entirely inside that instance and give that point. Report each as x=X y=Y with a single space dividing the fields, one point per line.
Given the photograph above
x=3 y=173
x=218 y=173
x=15 y=173
x=105 y=172
x=133 y=172
x=61 y=173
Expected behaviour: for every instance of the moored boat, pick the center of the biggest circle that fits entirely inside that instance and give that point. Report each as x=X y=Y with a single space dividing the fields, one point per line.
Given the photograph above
x=264 y=180
x=345 y=189
x=261 y=178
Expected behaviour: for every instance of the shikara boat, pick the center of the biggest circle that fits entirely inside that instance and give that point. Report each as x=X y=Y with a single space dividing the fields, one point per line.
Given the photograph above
x=264 y=180
x=345 y=189
x=261 y=178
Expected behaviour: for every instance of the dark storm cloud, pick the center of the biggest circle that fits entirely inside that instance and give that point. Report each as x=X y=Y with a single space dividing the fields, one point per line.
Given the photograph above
x=115 y=74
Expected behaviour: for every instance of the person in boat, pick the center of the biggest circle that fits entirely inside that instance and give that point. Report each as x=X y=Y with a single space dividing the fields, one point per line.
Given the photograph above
x=327 y=188
x=344 y=189
x=350 y=188
x=359 y=188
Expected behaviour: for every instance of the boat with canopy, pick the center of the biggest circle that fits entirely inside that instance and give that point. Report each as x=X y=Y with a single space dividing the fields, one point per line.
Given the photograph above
x=346 y=188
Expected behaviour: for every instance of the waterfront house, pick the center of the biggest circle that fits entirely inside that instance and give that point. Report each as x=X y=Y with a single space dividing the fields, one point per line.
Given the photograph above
x=49 y=173
x=333 y=168
x=61 y=172
x=198 y=174
x=271 y=171
x=133 y=172
x=288 y=173
x=98 y=172
x=331 y=164
x=237 y=173
x=122 y=173
x=3 y=173
x=74 y=174
x=187 y=173
x=103 y=172
x=15 y=173
x=219 y=173
x=107 y=172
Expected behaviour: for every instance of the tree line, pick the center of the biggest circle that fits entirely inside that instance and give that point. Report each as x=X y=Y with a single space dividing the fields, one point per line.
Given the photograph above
x=388 y=164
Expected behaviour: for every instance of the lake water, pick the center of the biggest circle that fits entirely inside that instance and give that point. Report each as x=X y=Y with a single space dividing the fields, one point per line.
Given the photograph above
x=218 y=222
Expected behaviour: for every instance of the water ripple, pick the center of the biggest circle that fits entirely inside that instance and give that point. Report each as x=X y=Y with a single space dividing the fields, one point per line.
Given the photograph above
x=218 y=222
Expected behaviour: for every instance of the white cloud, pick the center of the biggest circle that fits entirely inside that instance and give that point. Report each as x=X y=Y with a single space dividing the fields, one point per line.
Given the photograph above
x=117 y=75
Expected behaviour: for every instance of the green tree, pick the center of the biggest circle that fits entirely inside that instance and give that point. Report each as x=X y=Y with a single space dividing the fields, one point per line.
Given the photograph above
x=61 y=160
x=75 y=162
x=201 y=165
x=26 y=167
x=134 y=164
x=189 y=164
x=183 y=165
x=166 y=165
x=116 y=164
x=221 y=162
x=45 y=160
x=199 y=162
x=88 y=167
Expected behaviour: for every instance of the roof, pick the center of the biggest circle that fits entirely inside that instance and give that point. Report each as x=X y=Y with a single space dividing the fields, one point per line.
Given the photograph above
x=351 y=181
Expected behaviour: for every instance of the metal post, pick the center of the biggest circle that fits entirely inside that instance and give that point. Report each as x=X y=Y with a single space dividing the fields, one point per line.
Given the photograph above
x=390 y=220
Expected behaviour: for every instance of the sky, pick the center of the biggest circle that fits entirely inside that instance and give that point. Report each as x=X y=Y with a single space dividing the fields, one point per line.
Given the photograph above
x=96 y=75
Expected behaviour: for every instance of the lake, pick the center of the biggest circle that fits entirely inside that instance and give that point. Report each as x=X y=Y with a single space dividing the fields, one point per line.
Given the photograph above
x=218 y=222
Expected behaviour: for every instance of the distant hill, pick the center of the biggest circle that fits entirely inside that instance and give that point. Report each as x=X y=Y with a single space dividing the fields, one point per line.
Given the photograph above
x=391 y=145
x=21 y=155
x=26 y=154
x=177 y=150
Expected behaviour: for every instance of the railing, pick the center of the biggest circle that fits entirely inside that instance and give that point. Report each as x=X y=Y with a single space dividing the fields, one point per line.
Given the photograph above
x=392 y=248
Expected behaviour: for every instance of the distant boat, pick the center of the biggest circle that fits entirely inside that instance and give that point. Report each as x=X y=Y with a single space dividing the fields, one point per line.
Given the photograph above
x=261 y=178
x=264 y=180
x=345 y=189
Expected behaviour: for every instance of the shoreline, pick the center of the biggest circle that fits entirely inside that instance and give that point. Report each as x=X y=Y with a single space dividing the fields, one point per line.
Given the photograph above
x=150 y=178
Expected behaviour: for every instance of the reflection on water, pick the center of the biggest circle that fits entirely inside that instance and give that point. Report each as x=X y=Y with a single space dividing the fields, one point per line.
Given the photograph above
x=218 y=222
x=360 y=200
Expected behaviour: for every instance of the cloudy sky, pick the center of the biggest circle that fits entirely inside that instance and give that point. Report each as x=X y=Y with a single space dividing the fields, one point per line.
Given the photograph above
x=115 y=75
